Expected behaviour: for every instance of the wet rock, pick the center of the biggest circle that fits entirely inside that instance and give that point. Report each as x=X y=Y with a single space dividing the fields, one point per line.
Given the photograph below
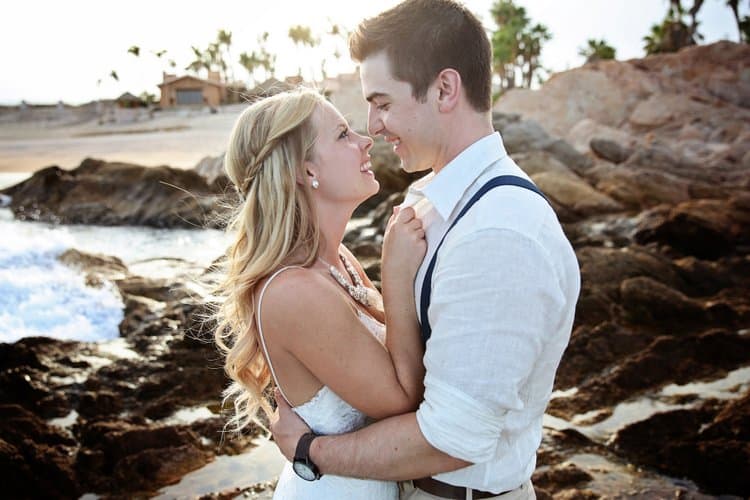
x=666 y=360
x=153 y=468
x=121 y=456
x=98 y=268
x=560 y=477
x=576 y=494
x=36 y=459
x=695 y=443
x=104 y=193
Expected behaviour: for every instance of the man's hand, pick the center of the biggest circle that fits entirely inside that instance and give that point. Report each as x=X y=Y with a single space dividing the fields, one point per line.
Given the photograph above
x=286 y=427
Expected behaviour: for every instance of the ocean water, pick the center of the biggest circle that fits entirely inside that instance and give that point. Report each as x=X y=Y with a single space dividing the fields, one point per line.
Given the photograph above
x=41 y=296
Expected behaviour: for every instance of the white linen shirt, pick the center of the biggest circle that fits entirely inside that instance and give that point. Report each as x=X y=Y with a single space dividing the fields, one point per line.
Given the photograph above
x=504 y=291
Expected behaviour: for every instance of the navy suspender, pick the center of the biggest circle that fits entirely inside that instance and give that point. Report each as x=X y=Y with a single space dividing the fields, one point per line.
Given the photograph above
x=424 y=304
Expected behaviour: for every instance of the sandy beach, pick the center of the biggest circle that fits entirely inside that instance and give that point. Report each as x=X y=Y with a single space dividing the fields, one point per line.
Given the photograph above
x=178 y=138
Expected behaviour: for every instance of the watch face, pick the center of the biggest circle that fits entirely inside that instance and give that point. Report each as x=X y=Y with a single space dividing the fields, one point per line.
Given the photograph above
x=304 y=471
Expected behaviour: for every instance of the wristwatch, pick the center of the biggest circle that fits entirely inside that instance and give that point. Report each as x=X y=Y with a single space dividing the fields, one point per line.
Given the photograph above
x=303 y=465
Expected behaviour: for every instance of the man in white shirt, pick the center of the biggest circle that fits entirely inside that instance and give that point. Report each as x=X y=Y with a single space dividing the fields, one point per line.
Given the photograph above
x=505 y=280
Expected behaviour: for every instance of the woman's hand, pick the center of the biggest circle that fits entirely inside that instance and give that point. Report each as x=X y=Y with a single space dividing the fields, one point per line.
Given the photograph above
x=404 y=245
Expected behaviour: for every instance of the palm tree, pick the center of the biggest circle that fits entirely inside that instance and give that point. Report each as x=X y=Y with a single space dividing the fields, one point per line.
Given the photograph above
x=224 y=39
x=743 y=24
x=597 y=50
x=260 y=59
x=531 y=49
x=302 y=37
x=654 y=39
x=200 y=62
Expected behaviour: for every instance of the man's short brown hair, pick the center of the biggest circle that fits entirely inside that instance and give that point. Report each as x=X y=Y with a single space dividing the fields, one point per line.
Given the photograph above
x=423 y=37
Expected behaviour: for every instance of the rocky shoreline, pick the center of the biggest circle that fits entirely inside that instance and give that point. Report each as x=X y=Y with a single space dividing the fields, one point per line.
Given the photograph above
x=652 y=397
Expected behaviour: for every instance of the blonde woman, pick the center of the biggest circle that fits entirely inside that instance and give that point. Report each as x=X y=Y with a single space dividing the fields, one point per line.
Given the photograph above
x=298 y=311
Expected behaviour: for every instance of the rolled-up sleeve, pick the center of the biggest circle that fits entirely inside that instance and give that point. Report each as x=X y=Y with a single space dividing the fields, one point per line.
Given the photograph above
x=496 y=298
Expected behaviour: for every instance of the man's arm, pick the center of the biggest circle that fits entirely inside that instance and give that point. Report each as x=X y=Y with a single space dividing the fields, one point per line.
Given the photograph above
x=391 y=449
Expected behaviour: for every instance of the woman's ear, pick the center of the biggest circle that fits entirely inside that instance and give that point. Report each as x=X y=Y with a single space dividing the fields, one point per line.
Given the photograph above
x=310 y=173
x=448 y=86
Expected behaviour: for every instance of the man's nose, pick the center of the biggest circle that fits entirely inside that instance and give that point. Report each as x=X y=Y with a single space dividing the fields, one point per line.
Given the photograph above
x=374 y=123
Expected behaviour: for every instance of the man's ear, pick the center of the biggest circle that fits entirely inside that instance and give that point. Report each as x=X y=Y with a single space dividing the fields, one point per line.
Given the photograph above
x=448 y=86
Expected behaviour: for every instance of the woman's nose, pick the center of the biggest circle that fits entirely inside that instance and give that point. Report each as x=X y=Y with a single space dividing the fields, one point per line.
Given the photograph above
x=368 y=142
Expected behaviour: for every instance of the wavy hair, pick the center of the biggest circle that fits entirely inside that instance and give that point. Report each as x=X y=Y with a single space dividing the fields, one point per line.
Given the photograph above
x=273 y=225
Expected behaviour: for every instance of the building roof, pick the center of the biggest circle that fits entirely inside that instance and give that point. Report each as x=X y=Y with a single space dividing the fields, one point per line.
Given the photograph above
x=191 y=77
x=128 y=97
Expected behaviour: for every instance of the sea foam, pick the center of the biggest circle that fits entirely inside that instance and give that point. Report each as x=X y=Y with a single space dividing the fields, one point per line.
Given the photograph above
x=39 y=296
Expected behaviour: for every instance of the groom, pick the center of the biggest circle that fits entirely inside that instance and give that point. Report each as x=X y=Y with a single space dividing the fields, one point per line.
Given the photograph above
x=503 y=285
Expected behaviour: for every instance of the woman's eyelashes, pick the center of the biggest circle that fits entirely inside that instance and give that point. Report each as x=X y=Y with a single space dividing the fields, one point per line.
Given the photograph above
x=344 y=133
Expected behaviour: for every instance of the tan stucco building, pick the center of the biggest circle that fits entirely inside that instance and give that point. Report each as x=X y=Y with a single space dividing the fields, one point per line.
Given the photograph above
x=192 y=91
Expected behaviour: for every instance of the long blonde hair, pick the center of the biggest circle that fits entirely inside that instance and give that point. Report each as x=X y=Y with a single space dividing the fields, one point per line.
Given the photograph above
x=274 y=224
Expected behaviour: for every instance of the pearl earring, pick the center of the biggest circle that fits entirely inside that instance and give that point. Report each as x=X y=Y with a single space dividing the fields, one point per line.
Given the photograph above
x=315 y=184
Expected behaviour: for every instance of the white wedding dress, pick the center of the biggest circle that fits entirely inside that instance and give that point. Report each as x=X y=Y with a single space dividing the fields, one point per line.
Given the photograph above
x=326 y=413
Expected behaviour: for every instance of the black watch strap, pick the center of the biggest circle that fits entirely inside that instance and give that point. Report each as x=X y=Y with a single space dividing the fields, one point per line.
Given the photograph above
x=302 y=453
x=303 y=446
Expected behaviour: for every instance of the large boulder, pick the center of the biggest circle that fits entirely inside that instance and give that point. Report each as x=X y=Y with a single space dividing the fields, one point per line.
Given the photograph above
x=574 y=194
x=700 y=92
x=709 y=444
x=103 y=193
x=707 y=229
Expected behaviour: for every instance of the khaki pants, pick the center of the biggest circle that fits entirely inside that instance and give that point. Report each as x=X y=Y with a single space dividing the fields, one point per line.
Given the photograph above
x=525 y=492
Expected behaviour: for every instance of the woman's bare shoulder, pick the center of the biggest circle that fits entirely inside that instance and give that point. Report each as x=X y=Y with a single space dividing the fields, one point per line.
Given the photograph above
x=296 y=297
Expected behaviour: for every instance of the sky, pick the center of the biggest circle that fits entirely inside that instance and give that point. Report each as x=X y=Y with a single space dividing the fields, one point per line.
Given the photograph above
x=65 y=50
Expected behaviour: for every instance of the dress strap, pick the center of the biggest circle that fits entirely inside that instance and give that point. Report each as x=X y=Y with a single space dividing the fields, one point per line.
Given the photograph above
x=260 y=329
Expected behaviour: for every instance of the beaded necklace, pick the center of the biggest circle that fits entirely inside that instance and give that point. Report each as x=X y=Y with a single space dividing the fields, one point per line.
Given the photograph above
x=358 y=290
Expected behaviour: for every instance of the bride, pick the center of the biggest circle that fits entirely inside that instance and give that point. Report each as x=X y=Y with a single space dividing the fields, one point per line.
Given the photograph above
x=297 y=309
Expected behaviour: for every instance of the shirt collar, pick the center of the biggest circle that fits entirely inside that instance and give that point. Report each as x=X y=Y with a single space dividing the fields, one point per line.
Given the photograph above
x=445 y=189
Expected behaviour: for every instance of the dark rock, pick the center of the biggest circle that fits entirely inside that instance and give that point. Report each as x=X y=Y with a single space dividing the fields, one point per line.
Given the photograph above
x=122 y=457
x=666 y=360
x=560 y=477
x=602 y=271
x=104 y=193
x=696 y=443
x=707 y=229
x=99 y=403
x=593 y=349
x=646 y=301
x=609 y=150
x=35 y=458
x=153 y=468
